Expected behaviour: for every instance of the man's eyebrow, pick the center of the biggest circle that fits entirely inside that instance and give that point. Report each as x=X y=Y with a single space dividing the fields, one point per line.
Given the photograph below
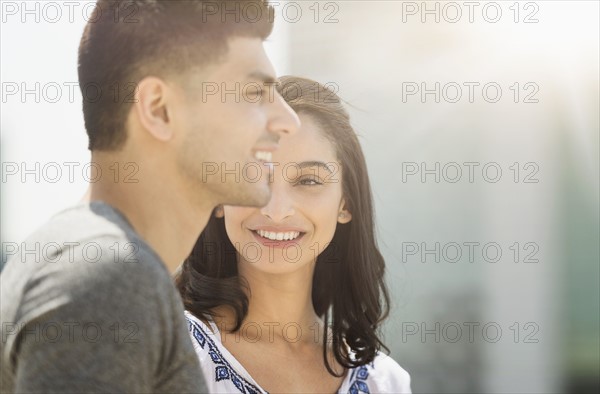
x=261 y=76
x=314 y=163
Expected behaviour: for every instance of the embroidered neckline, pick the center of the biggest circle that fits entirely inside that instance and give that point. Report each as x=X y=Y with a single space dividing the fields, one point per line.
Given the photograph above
x=224 y=370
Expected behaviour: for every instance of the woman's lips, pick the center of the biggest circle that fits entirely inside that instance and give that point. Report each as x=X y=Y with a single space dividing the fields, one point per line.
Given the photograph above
x=276 y=243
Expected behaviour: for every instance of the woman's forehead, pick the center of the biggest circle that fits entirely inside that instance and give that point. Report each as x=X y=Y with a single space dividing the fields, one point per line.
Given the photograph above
x=308 y=144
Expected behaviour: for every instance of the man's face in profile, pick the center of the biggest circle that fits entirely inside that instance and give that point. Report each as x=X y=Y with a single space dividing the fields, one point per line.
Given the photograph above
x=231 y=119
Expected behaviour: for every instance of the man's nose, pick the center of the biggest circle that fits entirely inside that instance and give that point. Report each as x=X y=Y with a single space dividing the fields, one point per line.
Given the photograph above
x=283 y=119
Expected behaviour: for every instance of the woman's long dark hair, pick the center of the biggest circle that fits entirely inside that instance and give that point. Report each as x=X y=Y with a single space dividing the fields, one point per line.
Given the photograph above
x=348 y=283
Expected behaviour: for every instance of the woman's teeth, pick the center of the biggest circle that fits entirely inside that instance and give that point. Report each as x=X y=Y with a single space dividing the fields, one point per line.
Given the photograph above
x=278 y=236
x=263 y=156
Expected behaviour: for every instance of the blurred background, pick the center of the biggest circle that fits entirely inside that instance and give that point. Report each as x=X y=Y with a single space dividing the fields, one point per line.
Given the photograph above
x=480 y=124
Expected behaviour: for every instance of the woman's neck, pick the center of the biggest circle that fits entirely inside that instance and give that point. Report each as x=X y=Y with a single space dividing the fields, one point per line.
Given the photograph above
x=154 y=203
x=280 y=305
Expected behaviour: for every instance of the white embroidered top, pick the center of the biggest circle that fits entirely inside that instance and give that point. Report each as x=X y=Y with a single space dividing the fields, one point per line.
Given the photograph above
x=224 y=374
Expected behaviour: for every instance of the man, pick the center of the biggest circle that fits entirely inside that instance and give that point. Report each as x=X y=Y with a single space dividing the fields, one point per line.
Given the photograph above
x=177 y=102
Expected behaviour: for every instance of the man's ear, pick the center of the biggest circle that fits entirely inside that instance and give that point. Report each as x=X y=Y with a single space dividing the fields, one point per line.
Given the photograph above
x=219 y=212
x=150 y=105
x=344 y=215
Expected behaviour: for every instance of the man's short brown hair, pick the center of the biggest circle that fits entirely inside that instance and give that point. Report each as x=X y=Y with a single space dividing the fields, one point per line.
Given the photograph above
x=127 y=40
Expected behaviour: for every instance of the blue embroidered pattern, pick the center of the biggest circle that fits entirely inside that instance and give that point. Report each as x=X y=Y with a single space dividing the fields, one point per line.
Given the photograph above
x=358 y=379
x=223 y=370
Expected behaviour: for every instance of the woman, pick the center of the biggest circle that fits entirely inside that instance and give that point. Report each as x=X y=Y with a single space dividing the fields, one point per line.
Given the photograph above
x=263 y=283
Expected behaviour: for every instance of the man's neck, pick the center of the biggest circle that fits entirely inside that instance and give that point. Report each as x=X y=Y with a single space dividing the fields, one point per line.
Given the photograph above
x=157 y=209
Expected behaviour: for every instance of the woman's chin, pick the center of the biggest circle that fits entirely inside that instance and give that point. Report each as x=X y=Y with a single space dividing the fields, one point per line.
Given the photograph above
x=276 y=266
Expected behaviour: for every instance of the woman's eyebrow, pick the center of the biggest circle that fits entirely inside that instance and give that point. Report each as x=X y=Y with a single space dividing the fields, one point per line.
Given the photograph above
x=314 y=163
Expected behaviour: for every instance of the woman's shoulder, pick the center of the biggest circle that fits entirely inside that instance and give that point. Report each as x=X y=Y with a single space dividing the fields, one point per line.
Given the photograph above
x=382 y=375
x=202 y=334
x=194 y=320
x=222 y=372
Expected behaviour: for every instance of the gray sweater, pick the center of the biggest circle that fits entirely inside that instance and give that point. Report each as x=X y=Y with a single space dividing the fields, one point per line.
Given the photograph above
x=87 y=306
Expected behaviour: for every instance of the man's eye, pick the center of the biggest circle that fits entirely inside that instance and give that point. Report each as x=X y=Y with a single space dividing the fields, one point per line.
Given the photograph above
x=253 y=92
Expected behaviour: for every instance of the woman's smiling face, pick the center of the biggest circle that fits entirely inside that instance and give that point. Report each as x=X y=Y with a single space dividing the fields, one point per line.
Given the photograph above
x=305 y=206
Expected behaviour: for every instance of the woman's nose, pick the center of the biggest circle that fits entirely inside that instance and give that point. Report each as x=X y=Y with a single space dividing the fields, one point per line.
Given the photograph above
x=281 y=205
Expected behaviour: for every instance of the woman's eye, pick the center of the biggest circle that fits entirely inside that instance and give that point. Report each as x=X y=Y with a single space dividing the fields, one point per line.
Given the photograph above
x=309 y=182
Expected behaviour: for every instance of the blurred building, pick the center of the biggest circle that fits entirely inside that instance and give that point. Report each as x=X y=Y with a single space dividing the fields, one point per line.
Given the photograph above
x=533 y=311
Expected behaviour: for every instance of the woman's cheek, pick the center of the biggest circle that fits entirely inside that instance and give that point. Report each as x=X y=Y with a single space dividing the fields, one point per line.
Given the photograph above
x=234 y=222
